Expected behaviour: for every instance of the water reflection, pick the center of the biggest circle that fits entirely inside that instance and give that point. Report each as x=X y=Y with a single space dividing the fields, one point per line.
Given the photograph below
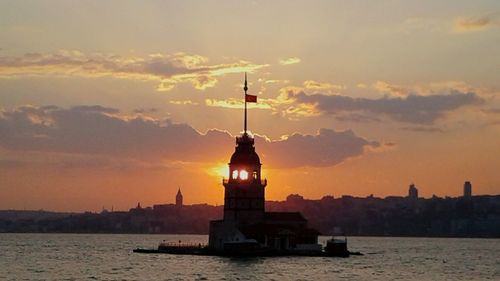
x=109 y=257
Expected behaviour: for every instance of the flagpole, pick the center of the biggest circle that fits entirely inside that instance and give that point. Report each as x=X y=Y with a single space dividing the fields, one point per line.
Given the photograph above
x=245 y=88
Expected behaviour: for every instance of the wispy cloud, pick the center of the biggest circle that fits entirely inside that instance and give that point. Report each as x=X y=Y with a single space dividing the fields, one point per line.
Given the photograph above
x=325 y=86
x=183 y=102
x=410 y=109
x=456 y=25
x=423 y=129
x=472 y=24
x=166 y=69
x=393 y=90
x=273 y=81
x=238 y=103
x=494 y=111
x=291 y=60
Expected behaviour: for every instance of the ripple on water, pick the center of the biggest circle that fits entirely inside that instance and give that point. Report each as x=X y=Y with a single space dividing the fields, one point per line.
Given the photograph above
x=109 y=257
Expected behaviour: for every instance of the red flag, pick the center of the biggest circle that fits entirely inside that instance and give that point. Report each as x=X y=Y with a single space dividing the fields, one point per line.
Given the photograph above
x=250 y=98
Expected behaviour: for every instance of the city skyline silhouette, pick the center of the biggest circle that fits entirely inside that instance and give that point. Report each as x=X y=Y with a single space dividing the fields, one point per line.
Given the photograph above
x=348 y=102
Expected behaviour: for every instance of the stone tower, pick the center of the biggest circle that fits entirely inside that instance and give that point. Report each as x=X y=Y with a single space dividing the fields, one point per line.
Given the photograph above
x=244 y=189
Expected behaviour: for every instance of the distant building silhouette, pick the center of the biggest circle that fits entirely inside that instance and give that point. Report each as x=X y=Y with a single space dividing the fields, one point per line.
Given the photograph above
x=178 y=198
x=467 y=189
x=412 y=191
x=294 y=198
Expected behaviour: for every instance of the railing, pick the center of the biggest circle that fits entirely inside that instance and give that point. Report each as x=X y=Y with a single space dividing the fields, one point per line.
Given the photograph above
x=245 y=139
x=262 y=181
x=182 y=245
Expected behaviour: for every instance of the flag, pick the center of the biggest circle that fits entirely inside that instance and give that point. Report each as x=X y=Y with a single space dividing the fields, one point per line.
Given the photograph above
x=250 y=98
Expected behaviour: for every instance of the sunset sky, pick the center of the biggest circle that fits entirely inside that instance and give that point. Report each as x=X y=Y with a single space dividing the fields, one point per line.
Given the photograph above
x=110 y=103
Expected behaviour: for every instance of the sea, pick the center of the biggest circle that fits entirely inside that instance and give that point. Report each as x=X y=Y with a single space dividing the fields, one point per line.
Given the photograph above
x=110 y=257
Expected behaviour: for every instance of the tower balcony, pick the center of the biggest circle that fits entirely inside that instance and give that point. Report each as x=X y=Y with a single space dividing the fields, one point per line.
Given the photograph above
x=249 y=181
x=245 y=139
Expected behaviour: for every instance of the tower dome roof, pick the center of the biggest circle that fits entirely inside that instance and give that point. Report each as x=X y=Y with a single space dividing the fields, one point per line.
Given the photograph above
x=245 y=151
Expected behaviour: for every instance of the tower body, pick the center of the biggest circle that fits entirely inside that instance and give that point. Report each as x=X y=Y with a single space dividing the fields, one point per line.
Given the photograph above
x=246 y=227
x=244 y=190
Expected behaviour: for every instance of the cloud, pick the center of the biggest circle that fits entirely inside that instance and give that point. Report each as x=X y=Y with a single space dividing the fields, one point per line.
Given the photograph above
x=493 y=123
x=11 y=164
x=183 y=102
x=315 y=85
x=424 y=89
x=456 y=25
x=491 y=111
x=97 y=135
x=472 y=24
x=390 y=89
x=273 y=81
x=167 y=70
x=63 y=161
x=356 y=117
x=423 y=129
x=291 y=60
x=145 y=110
x=327 y=148
x=239 y=103
x=411 y=109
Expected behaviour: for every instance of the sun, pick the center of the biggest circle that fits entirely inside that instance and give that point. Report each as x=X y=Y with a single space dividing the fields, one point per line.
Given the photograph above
x=220 y=170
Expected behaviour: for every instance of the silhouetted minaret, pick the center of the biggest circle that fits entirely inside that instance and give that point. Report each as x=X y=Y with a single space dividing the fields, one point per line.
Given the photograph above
x=178 y=198
x=467 y=189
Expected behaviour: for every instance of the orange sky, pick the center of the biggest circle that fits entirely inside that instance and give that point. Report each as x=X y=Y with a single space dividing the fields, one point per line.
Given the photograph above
x=112 y=103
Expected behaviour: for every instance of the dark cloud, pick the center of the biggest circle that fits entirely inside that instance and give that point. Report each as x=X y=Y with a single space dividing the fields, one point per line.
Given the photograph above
x=91 y=109
x=493 y=123
x=423 y=129
x=411 y=109
x=11 y=163
x=145 y=110
x=92 y=130
x=327 y=148
x=357 y=117
x=491 y=110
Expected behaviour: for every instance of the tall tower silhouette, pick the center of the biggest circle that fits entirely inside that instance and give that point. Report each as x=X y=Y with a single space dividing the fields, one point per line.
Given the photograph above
x=246 y=225
x=244 y=189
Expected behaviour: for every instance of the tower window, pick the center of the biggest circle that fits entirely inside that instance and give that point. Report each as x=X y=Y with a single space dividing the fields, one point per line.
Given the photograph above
x=243 y=175
x=235 y=174
x=254 y=175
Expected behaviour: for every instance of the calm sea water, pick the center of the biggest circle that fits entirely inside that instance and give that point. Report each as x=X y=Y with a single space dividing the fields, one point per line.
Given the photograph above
x=110 y=257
